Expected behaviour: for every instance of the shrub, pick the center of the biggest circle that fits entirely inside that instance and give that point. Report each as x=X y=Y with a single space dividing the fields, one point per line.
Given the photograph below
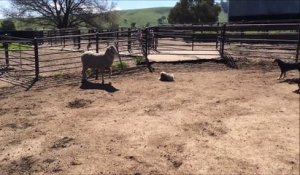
x=8 y=25
x=139 y=60
x=118 y=65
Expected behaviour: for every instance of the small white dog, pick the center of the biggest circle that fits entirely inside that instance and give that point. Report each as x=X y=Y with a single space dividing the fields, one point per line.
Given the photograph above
x=166 y=77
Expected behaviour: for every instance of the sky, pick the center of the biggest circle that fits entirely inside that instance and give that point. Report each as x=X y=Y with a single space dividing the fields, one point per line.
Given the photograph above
x=137 y=4
x=124 y=4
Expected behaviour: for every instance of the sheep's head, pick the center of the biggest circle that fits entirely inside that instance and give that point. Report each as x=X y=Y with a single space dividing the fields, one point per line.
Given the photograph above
x=113 y=50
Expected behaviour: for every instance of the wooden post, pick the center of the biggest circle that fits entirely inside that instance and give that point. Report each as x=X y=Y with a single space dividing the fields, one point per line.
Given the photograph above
x=298 y=45
x=36 y=58
x=97 y=42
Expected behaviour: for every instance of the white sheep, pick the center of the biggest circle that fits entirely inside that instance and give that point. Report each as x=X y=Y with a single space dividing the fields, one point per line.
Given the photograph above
x=99 y=62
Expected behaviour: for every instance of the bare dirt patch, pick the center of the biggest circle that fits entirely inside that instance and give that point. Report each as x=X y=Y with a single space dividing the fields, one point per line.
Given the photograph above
x=79 y=103
x=211 y=120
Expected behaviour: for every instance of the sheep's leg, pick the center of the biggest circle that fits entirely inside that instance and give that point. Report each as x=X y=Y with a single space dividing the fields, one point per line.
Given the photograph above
x=102 y=72
x=110 y=72
x=96 y=72
x=84 y=74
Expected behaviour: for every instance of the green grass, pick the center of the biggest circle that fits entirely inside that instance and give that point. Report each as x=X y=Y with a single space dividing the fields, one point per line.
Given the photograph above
x=139 y=60
x=17 y=47
x=118 y=65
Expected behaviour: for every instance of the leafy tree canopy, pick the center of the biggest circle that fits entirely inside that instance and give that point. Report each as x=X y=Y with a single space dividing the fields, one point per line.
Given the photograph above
x=8 y=25
x=61 y=13
x=194 y=11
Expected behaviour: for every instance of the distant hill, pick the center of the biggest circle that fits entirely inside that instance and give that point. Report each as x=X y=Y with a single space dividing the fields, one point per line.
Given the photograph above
x=143 y=16
x=139 y=16
x=151 y=15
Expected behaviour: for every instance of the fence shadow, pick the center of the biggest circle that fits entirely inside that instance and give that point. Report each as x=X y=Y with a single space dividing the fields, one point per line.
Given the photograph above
x=99 y=86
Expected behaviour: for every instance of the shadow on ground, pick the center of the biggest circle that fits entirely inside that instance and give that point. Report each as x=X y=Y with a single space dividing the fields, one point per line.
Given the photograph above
x=293 y=81
x=99 y=86
x=20 y=84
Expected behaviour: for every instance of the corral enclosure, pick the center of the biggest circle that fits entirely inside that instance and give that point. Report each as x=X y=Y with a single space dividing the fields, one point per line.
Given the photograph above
x=212 y=120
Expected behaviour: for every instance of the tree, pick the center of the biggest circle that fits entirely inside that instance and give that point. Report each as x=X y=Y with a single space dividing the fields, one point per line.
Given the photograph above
x=8 y=25
x=60 y=13
x=194 y=11
x=133 y=24
x=159 y=21
x=225 y=6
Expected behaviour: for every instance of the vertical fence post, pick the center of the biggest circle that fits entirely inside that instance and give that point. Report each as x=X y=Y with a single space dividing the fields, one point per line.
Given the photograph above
x=155 y=39
x=129 y=40
x=193 y=37
x=51 y=40
x=97 y=42
x=298 y=45
x=79 y=39
x=223 y=40
x=64 y=40
x=117 y=42
x=61 y=33
x=6 y=50
x=36 y=59
x=217 y=40
x=146 y=50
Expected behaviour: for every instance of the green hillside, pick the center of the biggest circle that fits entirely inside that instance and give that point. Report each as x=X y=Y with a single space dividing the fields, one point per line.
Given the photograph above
x=143 y=16
x=151 y=15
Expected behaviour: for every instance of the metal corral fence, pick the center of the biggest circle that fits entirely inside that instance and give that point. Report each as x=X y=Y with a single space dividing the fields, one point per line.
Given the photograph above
x=181 y=40
x=64 y=56
x=261 y=41
x=59 y=53
x=236 y=40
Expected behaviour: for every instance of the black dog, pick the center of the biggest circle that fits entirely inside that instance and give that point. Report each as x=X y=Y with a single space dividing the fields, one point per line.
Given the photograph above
x=284 y=67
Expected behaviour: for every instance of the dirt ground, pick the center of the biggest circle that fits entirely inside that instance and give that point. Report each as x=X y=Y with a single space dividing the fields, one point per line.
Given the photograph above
x=211 y=120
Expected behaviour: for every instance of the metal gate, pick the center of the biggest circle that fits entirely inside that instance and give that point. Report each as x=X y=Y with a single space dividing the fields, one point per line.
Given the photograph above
x=17 y=60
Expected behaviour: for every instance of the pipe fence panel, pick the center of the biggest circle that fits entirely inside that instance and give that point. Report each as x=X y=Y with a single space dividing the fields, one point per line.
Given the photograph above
x=262 y=41
x=64 y=56
x=17 y=60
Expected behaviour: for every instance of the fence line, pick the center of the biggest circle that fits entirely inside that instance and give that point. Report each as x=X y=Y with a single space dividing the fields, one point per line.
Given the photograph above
x=232 y=39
